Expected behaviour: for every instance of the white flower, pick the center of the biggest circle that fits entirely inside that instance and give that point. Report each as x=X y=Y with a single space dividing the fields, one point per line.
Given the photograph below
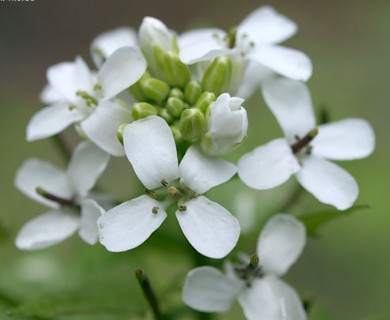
x=151 y=149
x=302 y=152
x=106 y=43
x=227 y=125
x=72 y=207
x=261 y=294
x=254 y=44
x=77 y=95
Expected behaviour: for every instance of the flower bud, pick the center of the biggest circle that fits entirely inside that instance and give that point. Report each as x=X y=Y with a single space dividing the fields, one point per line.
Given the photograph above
x=176 y=134
x=143 y=110
x=191 y=124
x=174 y=106
x=227 y=125
x=155 y=89
x=119 y=132
x=155 y=39
x=204 y=101
x=192 y=92
x=176 y=93
x=163 y=113
x=136 y=89
x=176 y=72
x=216 y=78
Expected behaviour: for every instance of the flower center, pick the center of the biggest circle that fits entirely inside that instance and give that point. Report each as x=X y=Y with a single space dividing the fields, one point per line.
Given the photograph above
x=303 y=143
x=250 y=271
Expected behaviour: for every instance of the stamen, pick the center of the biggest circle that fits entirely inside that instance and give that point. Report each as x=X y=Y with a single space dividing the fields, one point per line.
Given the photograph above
x=174 y=191
x=89 y=100
x=155 y=210
x=302 y=143
x=61 y=201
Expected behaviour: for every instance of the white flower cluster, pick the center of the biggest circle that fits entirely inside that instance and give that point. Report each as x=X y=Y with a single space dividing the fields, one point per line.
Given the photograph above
x=172 y=104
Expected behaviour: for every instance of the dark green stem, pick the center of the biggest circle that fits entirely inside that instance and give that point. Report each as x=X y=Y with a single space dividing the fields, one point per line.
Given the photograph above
x=149 y=293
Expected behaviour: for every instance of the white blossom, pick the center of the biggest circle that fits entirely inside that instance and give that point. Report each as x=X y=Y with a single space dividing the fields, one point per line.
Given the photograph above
x=306 y=147
x=78 y=95
x=73 y=209
x=151 y=150
x=254 y=45
x=261 y=294
x=227 y=125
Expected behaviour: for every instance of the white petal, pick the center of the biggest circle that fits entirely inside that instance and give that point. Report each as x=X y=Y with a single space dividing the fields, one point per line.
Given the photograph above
x=52 y=120
x=208 y=290
x=201 y=173
x=90 y=213
x=122 y=69
x=130 y=224
x=36 y=173
x=281 y=243
x=344 y=140
x=87 y=164
x=291 y=104
x=69 y=77
x=265 y=25
x=108 y=42
x=268 y=166
x=47 y=229
x=102 y=125
x=49 y=95
x=209 y=227
x=269 y=298
x=201 y=45
x=328 y=182
x=150 y=148
x=287 y=62
x=254 y=73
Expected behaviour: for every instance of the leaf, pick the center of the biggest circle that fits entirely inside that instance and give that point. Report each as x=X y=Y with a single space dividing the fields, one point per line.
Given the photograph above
x=315 y=220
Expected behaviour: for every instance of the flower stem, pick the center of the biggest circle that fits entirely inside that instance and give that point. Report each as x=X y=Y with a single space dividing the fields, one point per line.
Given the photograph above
x=148 y=293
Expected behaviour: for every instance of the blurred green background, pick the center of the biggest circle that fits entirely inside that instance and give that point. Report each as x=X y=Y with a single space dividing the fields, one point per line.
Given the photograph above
x=345 y=272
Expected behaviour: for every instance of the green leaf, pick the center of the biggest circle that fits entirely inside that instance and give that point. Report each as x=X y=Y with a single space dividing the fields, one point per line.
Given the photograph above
x=315 y=220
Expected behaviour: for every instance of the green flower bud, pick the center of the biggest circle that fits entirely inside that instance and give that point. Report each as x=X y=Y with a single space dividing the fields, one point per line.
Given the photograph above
x=119 y=133
x=143 y=110
x=176 y=72
x=217 y=76
x=191 y=124
x=176 y=134
x=176 y=93
x=163 y=113
x=174 y=106
x=204 y=101
x=192 y=92
x=155 y=89
x=136 y=89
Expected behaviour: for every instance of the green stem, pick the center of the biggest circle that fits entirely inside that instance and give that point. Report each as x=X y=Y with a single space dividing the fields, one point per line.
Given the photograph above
x=62 y=146
x=149 y=293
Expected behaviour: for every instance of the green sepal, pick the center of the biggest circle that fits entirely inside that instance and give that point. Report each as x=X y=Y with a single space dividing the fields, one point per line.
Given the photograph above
x=217 y=76
x=176 y=72
x=204 y=101
x=155 y=89
x=313 y=221
x=136 y=89
x=191 y=124
x=174 y=106
x=192 y=92
x=142 y=110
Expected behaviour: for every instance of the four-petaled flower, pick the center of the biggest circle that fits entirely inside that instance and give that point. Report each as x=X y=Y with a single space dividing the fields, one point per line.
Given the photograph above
x=67 y=193
x=261 y=294
x=254 y=43
x=150 y=148
x=305 y=148
x=77 y=95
